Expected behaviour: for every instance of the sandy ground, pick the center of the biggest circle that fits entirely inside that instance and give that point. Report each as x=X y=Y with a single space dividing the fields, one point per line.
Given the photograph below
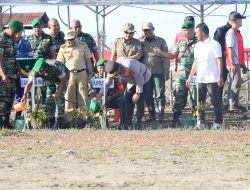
x=111 y=160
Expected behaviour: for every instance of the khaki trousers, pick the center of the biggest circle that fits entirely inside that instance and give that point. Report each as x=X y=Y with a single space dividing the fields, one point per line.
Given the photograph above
x=77 y=88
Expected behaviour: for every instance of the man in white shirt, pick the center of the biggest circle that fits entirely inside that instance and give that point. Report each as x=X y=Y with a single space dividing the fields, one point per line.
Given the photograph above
x=208 y=66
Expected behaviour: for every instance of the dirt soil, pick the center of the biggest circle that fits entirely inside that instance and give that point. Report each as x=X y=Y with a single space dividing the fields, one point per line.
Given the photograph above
x=111 y=160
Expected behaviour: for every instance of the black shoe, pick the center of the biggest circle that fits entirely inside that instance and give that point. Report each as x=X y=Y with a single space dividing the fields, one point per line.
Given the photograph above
x=138 y=125
x=176 y=120
x=150 y=119
x=6 y=122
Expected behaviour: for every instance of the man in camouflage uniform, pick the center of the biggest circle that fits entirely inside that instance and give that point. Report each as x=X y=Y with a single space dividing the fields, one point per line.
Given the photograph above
x=42 y=46
x=126 y=47
x=41 y=43
x=85 y=38
x=159 y=67
x=55 y=75
x=184 y=50
x=57 y=36
x=8 y=70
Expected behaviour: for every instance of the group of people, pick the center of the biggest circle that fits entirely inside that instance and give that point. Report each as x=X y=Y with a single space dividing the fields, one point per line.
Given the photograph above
x=136 y=71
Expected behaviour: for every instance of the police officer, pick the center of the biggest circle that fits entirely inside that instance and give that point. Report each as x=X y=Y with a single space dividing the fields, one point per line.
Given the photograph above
x=54 y=74
x=137 y=75
x=8 y=70
x=159 y=67
x=184 y=50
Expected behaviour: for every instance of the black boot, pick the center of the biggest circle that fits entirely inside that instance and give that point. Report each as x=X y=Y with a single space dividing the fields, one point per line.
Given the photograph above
x=1 y=122
x=161 y=106
x=51 y=123
x=151 y=116
x=176 y=120
x=6 y=122
x=59 y=123
x=138 y=125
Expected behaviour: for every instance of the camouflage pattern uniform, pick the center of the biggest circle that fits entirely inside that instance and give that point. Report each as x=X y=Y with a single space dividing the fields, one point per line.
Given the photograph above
x=58 y=40
x=54 y=108
x=185 y=51
x=85 y=38
x=7 y=91
x=41 y=45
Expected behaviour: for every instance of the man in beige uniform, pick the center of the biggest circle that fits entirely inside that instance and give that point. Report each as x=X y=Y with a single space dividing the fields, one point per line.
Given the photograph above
x=77 y=59
x=126 y=47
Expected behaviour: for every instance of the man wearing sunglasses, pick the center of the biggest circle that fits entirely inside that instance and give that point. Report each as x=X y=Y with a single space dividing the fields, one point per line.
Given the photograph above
x=126 y=47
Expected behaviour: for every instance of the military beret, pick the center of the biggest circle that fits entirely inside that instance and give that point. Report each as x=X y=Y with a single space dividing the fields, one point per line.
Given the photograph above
x=111 y=67
x=187 y=25
x=39 y=65
x=101 y=62
x=36 y=21
x=15 y=25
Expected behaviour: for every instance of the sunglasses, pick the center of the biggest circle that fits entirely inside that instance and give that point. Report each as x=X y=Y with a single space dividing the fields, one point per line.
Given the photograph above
x=147 y=30
x=129 y=32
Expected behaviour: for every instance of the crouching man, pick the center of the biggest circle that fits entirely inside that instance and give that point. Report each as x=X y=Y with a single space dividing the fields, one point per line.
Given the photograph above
x=114 y=93
x=137 y=75
x=54 y=74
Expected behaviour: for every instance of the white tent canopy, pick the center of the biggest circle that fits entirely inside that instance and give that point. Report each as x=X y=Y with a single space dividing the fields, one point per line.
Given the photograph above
x=119 y=2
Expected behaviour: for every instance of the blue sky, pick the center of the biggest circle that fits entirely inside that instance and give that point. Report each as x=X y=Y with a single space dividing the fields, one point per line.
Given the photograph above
x=167 y=23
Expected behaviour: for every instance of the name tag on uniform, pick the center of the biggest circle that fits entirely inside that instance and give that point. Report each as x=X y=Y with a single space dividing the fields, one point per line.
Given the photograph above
x=38 y=82
x=193 y=81
x=98 y=83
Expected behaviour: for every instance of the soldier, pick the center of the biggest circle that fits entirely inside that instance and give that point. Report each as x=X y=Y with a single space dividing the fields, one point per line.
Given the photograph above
x=77 y=59
x=159 y=67
x=126 y=47
x=41 y=43
x=85 y=38
x=8 y=70
x=184 y=49
x=54 y=74
x=57 y=36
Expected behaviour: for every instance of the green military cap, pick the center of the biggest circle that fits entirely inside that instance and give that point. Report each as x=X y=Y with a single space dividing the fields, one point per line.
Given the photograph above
x=187 y=25
x=15 y=25
x=101 y=62
x=39 y=65
x=36 y=21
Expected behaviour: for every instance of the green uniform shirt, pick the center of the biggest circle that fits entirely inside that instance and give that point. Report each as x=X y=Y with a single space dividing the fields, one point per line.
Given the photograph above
x=152 y=60
x=120 y=48
x=8 y=48
x=41 y=45
x=89 y=40
x=185 y=51
x=56 y=71
x=58 y=40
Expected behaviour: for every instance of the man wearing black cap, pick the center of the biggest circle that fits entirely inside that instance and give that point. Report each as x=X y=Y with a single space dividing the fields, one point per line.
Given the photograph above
x=137 y=75
x=8 y=70
x=219 y=36
x=235 y=61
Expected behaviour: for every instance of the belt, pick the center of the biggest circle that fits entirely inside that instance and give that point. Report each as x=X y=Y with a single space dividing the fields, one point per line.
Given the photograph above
x=77 y=71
